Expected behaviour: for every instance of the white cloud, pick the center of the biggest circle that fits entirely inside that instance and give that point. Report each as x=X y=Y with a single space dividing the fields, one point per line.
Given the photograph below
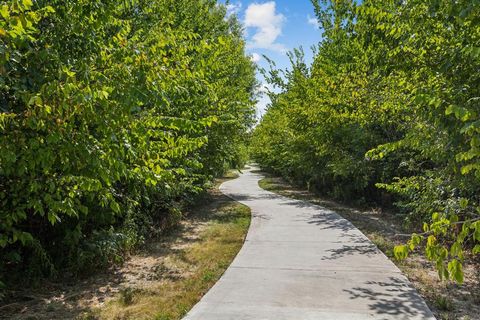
x=263 y=98
x=266 y=88
x=262 y=105
x=233 y=8
x=268 y=24
x=313 y=21
x=255 y=57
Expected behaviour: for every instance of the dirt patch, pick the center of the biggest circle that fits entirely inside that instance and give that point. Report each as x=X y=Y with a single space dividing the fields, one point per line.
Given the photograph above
x=163 y=281
x=447 y=300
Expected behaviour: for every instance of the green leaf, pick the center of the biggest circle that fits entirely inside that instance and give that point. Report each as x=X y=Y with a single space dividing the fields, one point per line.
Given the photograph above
x=35 y=100
x=400 y=252
x=455 y=249
x=68 y=72
x=456 y=270
x=53 y=218
x=4 y=11
x=27 y=4
x=426 y=227
x=476 y=249
x=115 y=206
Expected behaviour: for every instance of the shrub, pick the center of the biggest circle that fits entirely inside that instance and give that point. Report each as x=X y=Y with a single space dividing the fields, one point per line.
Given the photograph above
x=113 y=113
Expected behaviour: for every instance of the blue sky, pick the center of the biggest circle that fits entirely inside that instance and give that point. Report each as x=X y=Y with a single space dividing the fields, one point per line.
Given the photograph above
x=273 y=27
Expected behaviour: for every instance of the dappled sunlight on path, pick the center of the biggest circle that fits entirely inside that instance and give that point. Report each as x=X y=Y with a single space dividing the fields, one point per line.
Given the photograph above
x=302 y=261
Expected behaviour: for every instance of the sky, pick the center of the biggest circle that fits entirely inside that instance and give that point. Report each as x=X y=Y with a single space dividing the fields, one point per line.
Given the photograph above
x=273 y=28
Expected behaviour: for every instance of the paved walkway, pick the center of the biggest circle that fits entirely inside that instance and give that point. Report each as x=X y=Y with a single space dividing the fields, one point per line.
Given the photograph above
x=302 y=262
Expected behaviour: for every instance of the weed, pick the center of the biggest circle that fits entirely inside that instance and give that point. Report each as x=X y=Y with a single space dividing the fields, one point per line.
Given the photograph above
x=444 y=303
x=127 y=295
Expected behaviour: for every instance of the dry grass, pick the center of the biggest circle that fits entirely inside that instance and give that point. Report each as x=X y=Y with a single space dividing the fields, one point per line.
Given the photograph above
x=188 y=272
x=163 y=281
x=447 y=300
x=232 y=174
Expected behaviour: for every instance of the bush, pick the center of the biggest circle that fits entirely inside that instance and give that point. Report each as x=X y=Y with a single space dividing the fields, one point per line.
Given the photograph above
x=113 y=113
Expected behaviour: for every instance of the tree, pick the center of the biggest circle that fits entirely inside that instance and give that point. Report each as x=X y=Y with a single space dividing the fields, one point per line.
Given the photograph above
x=389 y=106
x=114 y=115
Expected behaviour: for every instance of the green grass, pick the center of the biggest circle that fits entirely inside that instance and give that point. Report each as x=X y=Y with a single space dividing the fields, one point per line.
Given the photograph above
x=231 y=174
x=271 y=184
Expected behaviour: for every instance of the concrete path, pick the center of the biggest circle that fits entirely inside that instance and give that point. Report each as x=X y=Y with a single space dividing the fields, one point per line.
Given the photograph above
x=302 y=262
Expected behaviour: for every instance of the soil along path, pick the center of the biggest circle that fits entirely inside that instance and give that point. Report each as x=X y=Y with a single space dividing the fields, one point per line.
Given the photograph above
x=302 y=261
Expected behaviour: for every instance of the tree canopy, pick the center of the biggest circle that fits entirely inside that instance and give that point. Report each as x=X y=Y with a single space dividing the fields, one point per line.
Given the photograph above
x=113 y=115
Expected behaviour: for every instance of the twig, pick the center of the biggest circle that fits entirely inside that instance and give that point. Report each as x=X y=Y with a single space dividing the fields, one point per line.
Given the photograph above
x=9 y=305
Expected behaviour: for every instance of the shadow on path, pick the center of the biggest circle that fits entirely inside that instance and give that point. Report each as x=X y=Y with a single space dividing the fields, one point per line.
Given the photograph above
x=396 y=298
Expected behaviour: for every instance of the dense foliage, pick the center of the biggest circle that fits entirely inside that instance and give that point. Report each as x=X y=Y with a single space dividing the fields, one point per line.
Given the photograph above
x=388 y=111
x=113 y=115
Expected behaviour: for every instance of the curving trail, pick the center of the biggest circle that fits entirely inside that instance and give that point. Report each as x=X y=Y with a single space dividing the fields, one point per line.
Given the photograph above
x=302 y=262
